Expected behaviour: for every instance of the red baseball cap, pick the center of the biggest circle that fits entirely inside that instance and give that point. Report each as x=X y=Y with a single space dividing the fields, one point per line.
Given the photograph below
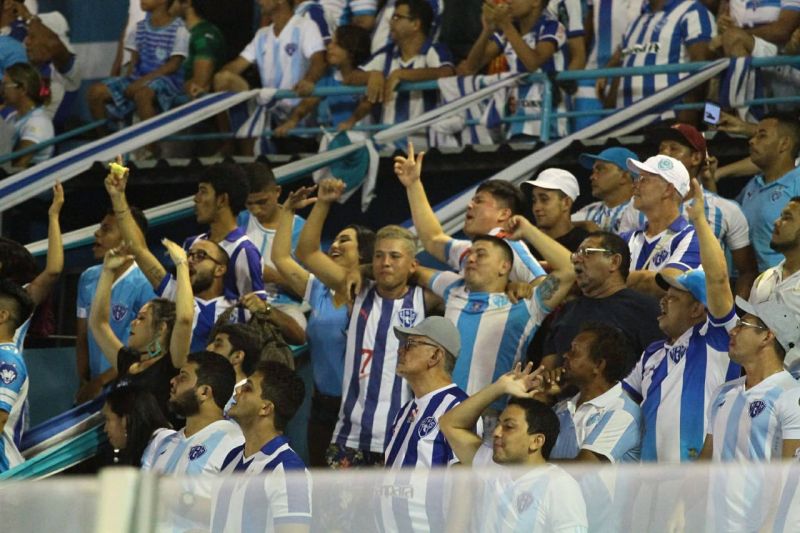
x=684 y=134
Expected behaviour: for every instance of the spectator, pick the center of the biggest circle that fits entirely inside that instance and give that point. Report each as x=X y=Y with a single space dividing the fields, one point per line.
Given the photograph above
x=49 y=50
x=372 y=392
x=348 y=49
x=667 y=243
x=531 y=41
x=382 y=37
x=154 y=79
x=759 y=30
x=130 y=291
x=240 y=344
x=133 y=419
x=206 y=46
x=26 y=93
x=612 y=185
x=525 y=436
x=207 y=262
x=159 y=335
x=602 y=264
x=11 y=52
x=264 y=405
x=666 y=32
x=411 y=56
x=330 y=315
x=779 y=284
x=198 y=393
x=494 y=203
x=552 y=194
x=123 y=56
x=15 y=307
x=684 y=143
x=675 y=378
x=221 y=193
x=359 y=13
x=755 y=417
x=10 y=24
x=426 y=358
x=773 y=149
x=274 y=52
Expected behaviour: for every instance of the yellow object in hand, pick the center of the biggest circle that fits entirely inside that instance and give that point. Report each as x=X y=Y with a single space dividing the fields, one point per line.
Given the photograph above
x=117 y=169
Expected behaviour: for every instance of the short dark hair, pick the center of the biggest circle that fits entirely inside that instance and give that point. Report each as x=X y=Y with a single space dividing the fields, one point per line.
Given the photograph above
x=202 y=8
x=17 y=263
x=229 y=179
x=284 y=388
x=508 y=253
x=143 y=416
x=14 y=296
x=245 y=338
x=260 y=176
x=420 y=10
x=788 y=126
x=611 y=345
x=137 y=215
x=216 y=372
x=355 y=40
x=617 y=245
x=365 y=238
x=540 y=419
x=506 y=193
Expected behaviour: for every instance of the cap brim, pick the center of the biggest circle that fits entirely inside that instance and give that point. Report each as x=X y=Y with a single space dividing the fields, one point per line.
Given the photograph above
x=671 y=134
x=637 y=167
x=402 y=333
x=666 y=282
x=745 y=307
x=587 y=160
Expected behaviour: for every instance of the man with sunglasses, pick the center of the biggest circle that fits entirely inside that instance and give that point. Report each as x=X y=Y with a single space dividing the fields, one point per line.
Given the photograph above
x=426 y=357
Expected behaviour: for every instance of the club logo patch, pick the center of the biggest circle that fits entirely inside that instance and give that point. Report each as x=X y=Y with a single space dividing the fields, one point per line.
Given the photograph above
x=777 y=195
x=756 y=407
x=290 y=49
x=8 y=373
x=592 y=420
x=499 y=300
x=660 y=257
x=407 y=317
x=161 y=54
x=118 y=312
x=426 y=426
x=524 y=501
x=676 y=353
x=195 y=452
x=665 y=164
x=477 y=306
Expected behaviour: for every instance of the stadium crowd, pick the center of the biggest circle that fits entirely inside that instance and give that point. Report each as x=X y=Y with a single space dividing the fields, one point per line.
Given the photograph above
x=668 y=317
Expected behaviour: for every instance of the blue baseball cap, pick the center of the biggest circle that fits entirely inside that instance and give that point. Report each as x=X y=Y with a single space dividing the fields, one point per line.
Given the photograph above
x=691 y=281
x=616 y=156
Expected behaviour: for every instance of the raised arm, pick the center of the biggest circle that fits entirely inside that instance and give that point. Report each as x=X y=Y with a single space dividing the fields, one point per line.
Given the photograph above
x=294 y=275
x=712 y=258
x=181 y=338
x=409 y=170
x=308 y=249
x=484 y=49
x=558 y=283
x=531 y=58
x=101 y=307
x=42 y=284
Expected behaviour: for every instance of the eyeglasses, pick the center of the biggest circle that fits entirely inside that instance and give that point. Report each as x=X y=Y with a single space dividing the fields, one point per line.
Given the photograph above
x=586 y=252
x=200 y=255
x=744 y=324
x=396 y=17
x=411 y=343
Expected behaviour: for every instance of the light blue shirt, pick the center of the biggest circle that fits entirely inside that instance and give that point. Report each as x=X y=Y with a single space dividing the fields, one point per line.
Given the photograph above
x=327 y=337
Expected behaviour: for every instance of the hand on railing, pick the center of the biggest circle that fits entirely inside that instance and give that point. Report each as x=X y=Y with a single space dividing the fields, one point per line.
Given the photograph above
x=375 y=84
x=283 y=129
x=391 y=84
x=408 y=169
x=304 y=87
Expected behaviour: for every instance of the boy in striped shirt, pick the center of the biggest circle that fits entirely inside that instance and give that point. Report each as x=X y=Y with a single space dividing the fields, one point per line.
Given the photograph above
x=426 y=359
x=280 y=495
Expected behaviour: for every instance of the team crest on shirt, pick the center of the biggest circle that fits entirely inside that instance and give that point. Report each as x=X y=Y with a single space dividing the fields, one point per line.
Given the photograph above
x=407 y=317
x=592 y=420
x=290 y=49
x=118 y=312
x=195 y=452
x=660 y=257
x=524 y=501
x=676 y=353
x=777 y=195
x=756 y=407
x=478 y=306
x=8 y=373
x=426 y=426
x=161 y=54
x=499 y=300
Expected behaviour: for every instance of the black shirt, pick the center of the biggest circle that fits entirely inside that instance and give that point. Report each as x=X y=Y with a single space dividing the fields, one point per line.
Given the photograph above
x=155 y=378
x=570 y=240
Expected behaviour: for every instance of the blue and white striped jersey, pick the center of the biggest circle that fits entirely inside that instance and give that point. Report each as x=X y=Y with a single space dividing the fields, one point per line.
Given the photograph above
x=13 y=393
x=313 y=11
x=618 y=219
x=156 y=45
x=244 y=274
x=277 y=491
x=494 y=332
x=675 y=247
x=675 y=383
x=206 y=312
x=525 y=268
x=660 y=38
x=341 y=12
x=372 y=392
x=751 y=13
x=609 y=425
x=417 y=445
x=570 y=14
x=727 y=221
x=611 y=19
x=263 y=238
x=21 y=332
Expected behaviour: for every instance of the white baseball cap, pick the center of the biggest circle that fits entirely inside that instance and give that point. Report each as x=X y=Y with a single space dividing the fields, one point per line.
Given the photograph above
x=557 y=179
x=781 y=321
x=56 y=23
x=665 y=166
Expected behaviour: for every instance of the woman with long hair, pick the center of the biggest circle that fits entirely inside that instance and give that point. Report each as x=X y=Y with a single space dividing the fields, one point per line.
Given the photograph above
x=27 y=93
x=133 y=420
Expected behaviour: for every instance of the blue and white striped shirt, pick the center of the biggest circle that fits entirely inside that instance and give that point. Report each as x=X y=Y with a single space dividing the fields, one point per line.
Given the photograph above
x=675 y=247
x=277 y=492
x=156 y=45
x=611 y=19
x=341 y=12
x=373 y=392
x=751 y=13
x=675 y=383
x=619 y=219
x=524 y=269
x=13 y=393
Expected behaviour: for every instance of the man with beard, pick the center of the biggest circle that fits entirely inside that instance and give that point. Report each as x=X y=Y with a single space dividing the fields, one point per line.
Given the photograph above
x=198 y=393
x=781 y=283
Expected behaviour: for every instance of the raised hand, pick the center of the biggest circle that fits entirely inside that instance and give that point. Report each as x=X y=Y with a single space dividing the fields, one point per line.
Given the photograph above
x=517 y=226
x=330 y=190
x=300 y=198
x=697 y=205
x=115 y=258
x=522 y=382
x=176 y=253
x=408 y=169
x=518 y=290
x=117 y=178
x=58 y=200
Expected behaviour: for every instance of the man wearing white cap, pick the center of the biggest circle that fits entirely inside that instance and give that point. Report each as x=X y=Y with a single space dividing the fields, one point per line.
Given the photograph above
x=667 y=243
x=552 y=194
x=426 y=358
x=49 y=50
